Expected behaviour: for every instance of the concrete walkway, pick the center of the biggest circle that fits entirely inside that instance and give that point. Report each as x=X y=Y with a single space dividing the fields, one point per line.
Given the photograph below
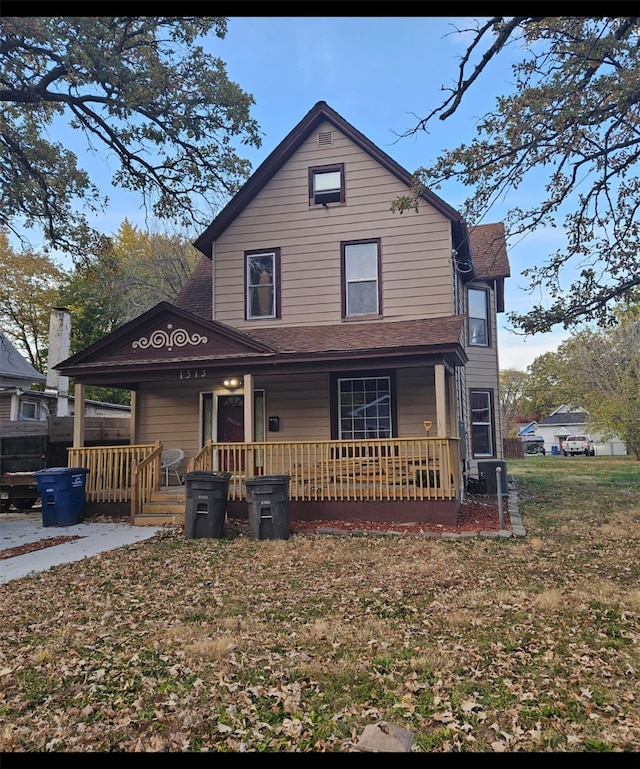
x=23 y=528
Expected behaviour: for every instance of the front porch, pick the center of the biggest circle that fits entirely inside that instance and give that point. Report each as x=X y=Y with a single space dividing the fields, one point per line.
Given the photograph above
x=399 y=480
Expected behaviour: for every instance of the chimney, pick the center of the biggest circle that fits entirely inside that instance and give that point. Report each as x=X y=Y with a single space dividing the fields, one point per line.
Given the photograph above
x=59 y=346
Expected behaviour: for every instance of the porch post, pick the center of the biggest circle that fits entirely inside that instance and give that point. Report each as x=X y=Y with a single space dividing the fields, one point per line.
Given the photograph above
x=78 y=416
x=133 y=427
x=249 y=431
x=441 y=401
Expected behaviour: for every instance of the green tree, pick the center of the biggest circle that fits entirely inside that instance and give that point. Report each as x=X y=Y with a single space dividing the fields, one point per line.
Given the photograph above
x=153 y=267
x=602 y=368
x=573 y=115
x=30 y=284
x=545 y=388
x=512 y=387
x=118 y=278
x=138 y=90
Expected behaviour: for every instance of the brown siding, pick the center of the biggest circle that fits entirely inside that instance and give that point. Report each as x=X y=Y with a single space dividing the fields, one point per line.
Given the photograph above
x=169 y=413
x=5 y=408
x=416 y=248
x=302 y=405
x=416 y=401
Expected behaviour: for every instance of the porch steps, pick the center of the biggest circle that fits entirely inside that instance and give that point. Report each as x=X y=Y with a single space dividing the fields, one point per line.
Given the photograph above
x=165 y=508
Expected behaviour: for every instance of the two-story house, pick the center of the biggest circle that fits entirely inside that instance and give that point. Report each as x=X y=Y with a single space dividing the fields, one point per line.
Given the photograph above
x=324 y=337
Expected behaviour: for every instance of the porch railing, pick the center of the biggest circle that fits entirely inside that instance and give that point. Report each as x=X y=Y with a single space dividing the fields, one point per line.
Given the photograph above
x=110 y=469
x=390 y=469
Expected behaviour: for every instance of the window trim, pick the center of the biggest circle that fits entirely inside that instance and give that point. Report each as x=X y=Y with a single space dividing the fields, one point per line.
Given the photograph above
x=344 y=244
x=492 y=425
x=277 y=287
x=487 y=320
x=313 y=170
x=334 y=409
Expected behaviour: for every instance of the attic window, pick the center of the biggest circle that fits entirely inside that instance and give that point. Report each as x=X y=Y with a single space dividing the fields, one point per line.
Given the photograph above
x=325 y=138
x=326 y=185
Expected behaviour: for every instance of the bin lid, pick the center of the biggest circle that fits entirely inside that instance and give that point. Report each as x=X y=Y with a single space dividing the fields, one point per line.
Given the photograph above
x=62 y=471
x=209 y=475
x=259 y=480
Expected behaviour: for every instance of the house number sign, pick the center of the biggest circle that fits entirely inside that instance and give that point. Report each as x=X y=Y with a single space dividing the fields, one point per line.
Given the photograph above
x=192 y=373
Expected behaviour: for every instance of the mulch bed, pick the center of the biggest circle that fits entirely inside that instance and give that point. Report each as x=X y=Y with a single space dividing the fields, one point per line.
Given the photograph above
x=479 y=513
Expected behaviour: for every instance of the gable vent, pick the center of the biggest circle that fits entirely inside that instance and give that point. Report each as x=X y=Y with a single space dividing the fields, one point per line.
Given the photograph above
x=325 y=138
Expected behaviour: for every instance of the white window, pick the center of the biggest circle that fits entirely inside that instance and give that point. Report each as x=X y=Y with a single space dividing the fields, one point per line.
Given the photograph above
x=482 y=423
x=364 y=408
x=361 y=278
x=478 y=317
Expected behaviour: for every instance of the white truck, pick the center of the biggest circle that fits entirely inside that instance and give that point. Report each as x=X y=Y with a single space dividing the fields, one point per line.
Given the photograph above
x=578 y=444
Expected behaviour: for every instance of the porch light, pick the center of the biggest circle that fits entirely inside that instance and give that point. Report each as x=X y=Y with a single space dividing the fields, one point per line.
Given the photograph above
x=232 y=383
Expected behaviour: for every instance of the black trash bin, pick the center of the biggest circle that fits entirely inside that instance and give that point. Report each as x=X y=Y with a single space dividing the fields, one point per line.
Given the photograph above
x=268 y=501
x=206 y=504
x=62 y=494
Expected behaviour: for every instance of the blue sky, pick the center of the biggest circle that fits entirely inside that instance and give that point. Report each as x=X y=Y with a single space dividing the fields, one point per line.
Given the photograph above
x=381 y=74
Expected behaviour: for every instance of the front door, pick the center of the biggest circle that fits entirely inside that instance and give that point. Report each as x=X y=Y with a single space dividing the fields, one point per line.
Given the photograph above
x=231 y=429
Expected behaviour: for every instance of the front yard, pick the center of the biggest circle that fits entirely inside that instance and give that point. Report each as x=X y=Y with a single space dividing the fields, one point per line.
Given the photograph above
x=526 y=644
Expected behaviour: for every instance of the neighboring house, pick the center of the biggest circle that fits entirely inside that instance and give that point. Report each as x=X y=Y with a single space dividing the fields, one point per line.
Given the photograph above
x=16 y=376
x=567 y=420
x=32 y=435
x=19 y=403
x=323 y=336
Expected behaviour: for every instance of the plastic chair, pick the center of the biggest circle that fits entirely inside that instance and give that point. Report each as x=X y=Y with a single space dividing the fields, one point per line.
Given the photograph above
x=169 y=461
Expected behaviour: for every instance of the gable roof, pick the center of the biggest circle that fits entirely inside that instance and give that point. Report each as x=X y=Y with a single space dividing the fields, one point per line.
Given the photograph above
x=565 y=418
x=162 y=334
x=15 y=370
x=319 y=113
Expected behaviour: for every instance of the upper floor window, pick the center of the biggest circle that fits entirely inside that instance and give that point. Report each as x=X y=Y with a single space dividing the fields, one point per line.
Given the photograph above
x=262 y=280
x=326 y=185
x=361 y=278
x=478 y=314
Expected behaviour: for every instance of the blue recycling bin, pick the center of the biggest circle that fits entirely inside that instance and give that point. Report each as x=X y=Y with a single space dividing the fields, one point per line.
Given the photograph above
x=554 y=451
x=62 y=494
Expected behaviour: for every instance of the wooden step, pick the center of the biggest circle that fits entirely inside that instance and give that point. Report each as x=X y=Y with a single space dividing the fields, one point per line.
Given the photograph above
x=159 y=519
x=165 y=508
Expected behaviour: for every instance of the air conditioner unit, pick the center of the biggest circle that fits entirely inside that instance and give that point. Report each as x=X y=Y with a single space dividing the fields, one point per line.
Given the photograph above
x=487 y=470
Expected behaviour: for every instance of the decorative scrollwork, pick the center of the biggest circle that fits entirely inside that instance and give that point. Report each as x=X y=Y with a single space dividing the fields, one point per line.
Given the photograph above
x=174 y=337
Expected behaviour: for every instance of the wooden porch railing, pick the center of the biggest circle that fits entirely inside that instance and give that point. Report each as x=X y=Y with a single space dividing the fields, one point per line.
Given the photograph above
x=110 y=469
x=390 y=469
x=145 y=479
x=384 y=470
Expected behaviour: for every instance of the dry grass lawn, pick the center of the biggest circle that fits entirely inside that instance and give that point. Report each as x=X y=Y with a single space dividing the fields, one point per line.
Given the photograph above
x=526 y=644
